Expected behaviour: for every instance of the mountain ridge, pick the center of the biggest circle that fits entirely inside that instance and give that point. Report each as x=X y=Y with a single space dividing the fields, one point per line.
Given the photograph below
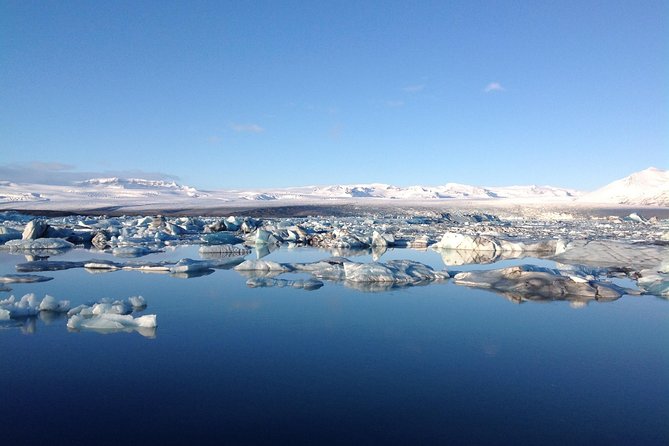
x=648 y=187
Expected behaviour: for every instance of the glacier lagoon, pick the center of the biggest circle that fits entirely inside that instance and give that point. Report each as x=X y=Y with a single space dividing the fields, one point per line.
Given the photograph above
x=230 y=363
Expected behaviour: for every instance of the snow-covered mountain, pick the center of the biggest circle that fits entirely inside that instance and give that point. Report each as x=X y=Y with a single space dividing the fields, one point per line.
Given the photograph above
x=150 y=187
x=649 y=187
x=447 y=191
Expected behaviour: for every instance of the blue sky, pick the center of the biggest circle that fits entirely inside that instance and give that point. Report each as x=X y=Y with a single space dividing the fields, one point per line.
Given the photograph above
x=278 y=93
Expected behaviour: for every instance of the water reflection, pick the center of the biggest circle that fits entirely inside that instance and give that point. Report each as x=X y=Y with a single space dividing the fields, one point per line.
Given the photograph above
x=27 y=325
x=147 y=332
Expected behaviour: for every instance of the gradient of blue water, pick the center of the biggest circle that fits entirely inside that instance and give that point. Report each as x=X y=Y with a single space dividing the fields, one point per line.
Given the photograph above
x=234 y=365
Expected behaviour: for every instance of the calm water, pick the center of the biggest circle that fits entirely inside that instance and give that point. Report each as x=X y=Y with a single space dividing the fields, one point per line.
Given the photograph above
x=435 y=364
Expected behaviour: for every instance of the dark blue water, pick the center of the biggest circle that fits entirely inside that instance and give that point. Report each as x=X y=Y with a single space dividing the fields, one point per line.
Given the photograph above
x=437 y=364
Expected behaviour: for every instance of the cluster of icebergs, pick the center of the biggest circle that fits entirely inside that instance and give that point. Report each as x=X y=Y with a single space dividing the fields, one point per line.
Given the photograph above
x=631 y=246
x=577 y=284
x=105 y=316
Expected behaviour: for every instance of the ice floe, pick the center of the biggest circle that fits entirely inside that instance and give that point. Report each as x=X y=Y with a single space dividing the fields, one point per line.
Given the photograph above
x=108 y=316
x=23 y=278
x=42 y=244
x=266 y=282
x=529 y=282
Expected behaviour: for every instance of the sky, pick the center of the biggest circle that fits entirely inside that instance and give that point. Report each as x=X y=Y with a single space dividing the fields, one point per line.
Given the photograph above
x=237 y=94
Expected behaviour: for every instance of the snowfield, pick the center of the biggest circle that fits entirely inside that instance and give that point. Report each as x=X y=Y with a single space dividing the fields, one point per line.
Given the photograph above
x=647 y=188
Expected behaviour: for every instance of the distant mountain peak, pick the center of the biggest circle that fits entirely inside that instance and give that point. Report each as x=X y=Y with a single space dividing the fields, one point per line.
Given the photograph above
x=648 y=187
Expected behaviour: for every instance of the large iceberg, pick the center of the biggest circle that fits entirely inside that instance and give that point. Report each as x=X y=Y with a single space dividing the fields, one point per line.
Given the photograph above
x=529 y=282
x=483 y=243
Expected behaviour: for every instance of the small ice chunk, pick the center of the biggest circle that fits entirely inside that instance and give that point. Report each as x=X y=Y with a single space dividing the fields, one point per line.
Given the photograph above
x=189 y=265
x=262 y=265
x=102 y=264
x=132 y=251
x=137 y=302
x=49 y=303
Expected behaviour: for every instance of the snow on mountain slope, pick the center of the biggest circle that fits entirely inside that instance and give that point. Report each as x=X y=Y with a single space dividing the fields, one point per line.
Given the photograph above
x=649 y=187
x=449 y=190
x=138 y=186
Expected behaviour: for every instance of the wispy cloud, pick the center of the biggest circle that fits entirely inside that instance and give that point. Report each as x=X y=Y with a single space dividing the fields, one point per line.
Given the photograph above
x=65 y=174
x=246 y=128
x=214 y=139
x=395 y=104
x=493 y=86
x=414 y=88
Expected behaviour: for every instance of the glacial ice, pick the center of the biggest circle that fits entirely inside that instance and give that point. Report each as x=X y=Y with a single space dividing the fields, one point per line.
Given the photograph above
x=262 y=265
x=482 y=243
x=221 y=238
x=41 y=244
x=108 y=316
x=394 y=272
x=632 y=246
x=224 y=249
x=7 y=234
x=266 y=282
x=34 y=230
x=189 y=265
x=654 y=282
x=29 y=306
x=529 y=282
x=111 y=321
x=23 y=278
x=49 y=303
x=132 y=251
x=614 y=253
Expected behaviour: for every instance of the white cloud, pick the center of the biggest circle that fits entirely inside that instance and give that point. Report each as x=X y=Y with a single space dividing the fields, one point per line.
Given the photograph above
x=414 y=88
x=493 y=86
x=395 y=104
x=247 y=128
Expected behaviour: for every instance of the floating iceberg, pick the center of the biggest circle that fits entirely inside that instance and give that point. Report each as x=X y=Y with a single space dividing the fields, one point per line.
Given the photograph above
x=41 y=244
x=188 y=266
x=23 y=278
x=395 y=271
x=112 y=317
x=654 y=282
x=132 y=251
x=528 y=282
x=635 y=256
x=34 y=230
x=221 y=238
x=262 y=265
x=29 y=306
x=482 y=243
x=111 y=322
x=47 y=265
x=49 y=303
x=224 y=249
x=265 y=282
